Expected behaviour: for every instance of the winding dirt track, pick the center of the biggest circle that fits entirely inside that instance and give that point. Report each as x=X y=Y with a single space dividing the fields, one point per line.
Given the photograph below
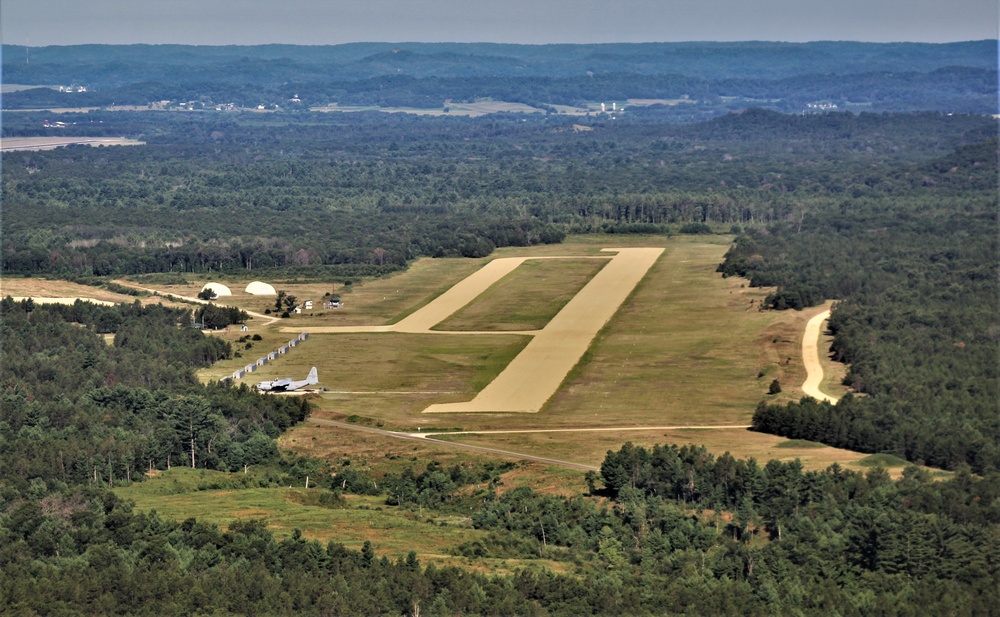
x=810 y=357
x=462 y=446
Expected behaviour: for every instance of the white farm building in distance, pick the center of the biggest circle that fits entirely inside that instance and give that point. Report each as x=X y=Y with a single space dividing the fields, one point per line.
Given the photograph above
x=257 y=288
x=219 y=289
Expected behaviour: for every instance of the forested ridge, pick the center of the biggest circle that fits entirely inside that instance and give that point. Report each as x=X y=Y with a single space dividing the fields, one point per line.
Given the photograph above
x=712 y=77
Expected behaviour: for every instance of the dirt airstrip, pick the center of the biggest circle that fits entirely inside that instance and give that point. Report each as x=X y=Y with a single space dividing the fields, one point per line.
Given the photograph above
x=536 y=373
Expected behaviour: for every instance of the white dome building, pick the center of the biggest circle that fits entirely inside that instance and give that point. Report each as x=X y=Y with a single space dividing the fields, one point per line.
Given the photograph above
x=257 y=288
x=219 y=289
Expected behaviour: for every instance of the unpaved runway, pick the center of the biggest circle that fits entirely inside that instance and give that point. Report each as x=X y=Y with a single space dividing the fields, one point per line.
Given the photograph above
x=810 y=357
x=538 y=371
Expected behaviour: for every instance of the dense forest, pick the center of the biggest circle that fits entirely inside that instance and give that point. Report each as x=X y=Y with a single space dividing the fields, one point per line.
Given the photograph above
x=77 y=410
x=366 y=193
x=914 y=273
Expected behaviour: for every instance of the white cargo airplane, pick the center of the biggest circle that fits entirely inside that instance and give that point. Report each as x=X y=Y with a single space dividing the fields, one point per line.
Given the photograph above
x=287 y=385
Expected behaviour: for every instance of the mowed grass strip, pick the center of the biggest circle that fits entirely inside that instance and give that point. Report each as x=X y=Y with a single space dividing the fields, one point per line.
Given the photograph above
x=527 y=298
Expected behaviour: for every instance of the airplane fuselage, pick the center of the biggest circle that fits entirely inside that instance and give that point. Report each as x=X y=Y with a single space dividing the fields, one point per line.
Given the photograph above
x=288 y=384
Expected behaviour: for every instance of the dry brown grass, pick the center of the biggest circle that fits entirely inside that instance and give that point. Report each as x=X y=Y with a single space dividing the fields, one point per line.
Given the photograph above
x=589 y=448
x=46 y=288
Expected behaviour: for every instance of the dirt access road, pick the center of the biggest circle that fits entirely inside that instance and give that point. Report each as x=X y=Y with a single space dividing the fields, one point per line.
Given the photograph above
x=810 y=357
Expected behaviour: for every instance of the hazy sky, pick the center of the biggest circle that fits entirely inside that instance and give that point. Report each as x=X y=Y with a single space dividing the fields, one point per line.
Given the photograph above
x=319 y=22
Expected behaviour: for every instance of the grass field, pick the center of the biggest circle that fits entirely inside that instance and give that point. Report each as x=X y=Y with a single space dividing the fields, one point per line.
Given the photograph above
x=687 y=348
x=392 y=531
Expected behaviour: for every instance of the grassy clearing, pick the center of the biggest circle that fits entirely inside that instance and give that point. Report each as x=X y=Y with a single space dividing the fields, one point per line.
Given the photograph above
x=183 y=493
x=392 y=531
x=527 y=298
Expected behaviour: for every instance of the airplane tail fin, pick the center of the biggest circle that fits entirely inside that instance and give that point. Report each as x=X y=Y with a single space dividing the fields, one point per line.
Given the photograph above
x=313 y=377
